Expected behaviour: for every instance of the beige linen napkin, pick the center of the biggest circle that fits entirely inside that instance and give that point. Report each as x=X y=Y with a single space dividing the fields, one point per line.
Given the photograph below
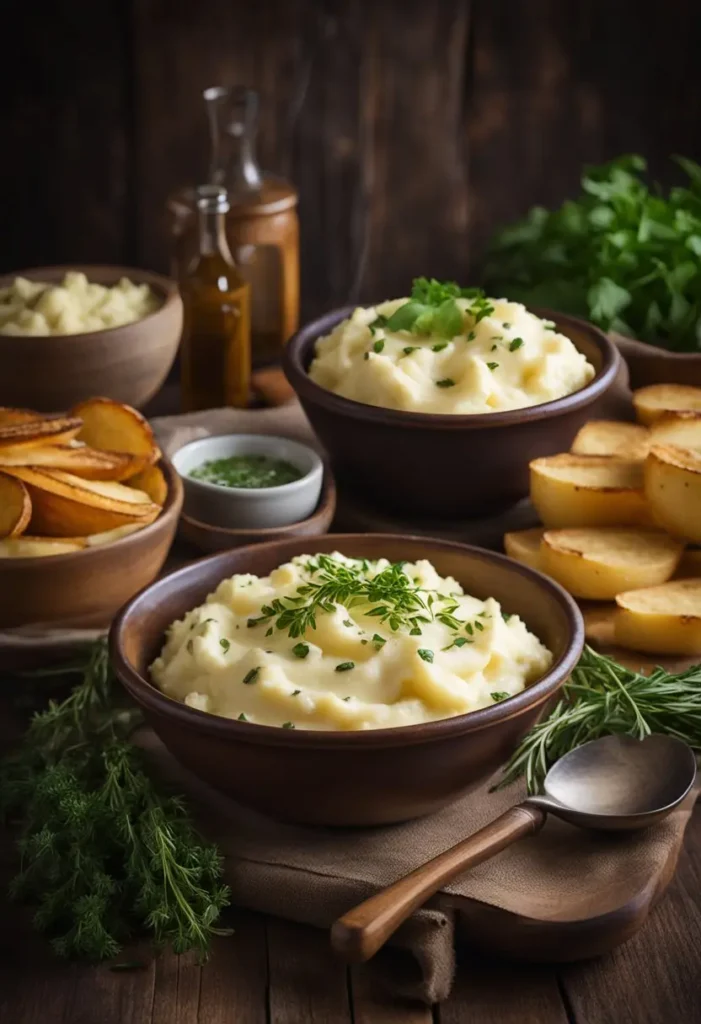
x=564 y=874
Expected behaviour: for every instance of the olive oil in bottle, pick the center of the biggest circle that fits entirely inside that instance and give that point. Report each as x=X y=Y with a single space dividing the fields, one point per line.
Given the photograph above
x=216 y=343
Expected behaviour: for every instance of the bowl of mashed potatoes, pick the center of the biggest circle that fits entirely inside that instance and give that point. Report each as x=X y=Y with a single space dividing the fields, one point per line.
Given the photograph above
x=348 y=679
x=437 y=409
x=69 y=333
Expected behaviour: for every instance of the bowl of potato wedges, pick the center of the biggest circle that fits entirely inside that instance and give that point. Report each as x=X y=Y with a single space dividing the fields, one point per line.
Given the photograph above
x=621 y=520
x=88 y=511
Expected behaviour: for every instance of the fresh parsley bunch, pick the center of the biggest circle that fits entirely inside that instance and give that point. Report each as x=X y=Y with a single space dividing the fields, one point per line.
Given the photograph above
x=621 y=254
x=106 y=853
x=432 y=309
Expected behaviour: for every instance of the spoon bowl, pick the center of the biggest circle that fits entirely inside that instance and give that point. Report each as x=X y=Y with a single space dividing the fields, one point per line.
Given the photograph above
x=618 y=783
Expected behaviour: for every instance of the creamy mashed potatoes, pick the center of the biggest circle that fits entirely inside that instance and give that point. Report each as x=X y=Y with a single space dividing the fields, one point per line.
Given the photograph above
x=507 y=359
x=389 y=645
x=72 y=307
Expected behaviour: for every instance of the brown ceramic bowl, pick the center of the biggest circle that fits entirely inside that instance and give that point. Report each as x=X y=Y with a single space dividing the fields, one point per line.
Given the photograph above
x=128 y=364
x=346 y=778
x=85 y=588
x=651 y=364
x=419 y=463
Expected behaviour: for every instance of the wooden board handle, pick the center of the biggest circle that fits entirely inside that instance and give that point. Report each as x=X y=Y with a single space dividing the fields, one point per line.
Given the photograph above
x=362 y=931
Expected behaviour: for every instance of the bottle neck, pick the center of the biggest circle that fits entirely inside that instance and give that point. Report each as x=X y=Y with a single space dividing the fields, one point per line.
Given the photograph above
x=212 y=228
x=233 y=125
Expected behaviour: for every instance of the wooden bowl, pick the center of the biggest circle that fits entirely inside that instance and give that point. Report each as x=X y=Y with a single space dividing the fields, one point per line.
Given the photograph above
x=85 y=588
x=128 y=364
x=370 y=777
x=649 y=364
x=218 y=538
x=443 y=465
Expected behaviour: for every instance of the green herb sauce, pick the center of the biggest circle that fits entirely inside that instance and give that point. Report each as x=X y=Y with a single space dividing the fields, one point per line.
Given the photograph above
x=247 y=471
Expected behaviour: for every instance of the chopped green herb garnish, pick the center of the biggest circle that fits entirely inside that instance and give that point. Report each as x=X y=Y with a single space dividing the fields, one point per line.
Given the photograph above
x=432 y=309
x=346 y=699
x=468 y=628
x=378 y=346
x=415 y=631
x=515 y=343
x=300 y=650
x=345 y=666
x=288 y=725
x=506 y=326
x=246 y=471
x=493 y=366
x=439 y=347
x=499 y=695
x=447 y=382
x=208 y=620
x=493 y=348
x=295 y=693
x=242 y=718
x=478 y=625
x=425 y=654
x=506 y=616
x=472 y=335
x=251 y=676
x=348 y=622
x=378 y=640
x=408 y=350
x=224 y=644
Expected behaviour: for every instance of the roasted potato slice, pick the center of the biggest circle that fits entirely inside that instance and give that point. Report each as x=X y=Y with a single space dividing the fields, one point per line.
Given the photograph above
x=661 y=620
x=64 y=505
x=15 y=506
x=682 y=429
x=588 y=490
x=657 y=400
x=39 y=547
x=9 y=417
x=152 y=481
x=598 y=564
x=39 y=432
x=96 y=540
x=612 y=437
x=673 y=490
x=80 y=459
x=524 y=546
x=113 y=427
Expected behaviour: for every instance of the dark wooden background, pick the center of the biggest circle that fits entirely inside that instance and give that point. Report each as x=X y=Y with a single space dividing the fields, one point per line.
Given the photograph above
x=412 y=128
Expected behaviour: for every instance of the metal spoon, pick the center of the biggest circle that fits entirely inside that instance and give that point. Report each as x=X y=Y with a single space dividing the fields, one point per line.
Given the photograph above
x=614 y=783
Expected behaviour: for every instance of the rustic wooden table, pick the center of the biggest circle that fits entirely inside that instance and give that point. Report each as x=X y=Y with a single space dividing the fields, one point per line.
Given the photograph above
x=275 y=972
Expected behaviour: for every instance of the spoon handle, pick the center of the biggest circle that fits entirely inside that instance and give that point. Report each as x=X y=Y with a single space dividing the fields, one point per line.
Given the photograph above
x=363 y=930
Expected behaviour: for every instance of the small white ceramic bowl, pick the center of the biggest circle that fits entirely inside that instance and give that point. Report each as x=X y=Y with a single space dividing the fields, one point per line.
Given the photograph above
x=250 y=507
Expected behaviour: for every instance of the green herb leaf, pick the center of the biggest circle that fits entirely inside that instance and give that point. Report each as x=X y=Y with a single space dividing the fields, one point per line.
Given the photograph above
x=300 y=650
x=447 y=382
x=251 y=676
x=378 y=640
x=378 y=346
x=448 y=320
x=224 y=644
x=242 y=718
x=493 y=366
x=345 y=666
x=439 y=347
x=425 y=654
x=515 y=344
x=408 y=350
x=498 y=695
x=288 y=725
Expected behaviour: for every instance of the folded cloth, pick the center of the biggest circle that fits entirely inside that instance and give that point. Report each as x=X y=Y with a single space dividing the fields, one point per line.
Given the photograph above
x=522 y=900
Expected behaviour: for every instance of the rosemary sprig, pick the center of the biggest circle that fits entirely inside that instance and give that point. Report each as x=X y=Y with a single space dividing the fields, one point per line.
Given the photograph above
x=106 y=853
x=604 y=697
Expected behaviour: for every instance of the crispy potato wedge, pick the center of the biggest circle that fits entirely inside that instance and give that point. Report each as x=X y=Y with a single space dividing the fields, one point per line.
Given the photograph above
x=64 y=505
x=682 y=429
x=39 y=547
x=34 y=433
x=90 y=463
x=113 y=427
x=9 y=417
x=588 y=490
x=524 y=546
x=152 y=481
x=657 y=400
x=673 y=490
x=15 y=506
x=690 y=564
x=97 y=540
x=599 y=563
x=612 y=437
x=660 y=620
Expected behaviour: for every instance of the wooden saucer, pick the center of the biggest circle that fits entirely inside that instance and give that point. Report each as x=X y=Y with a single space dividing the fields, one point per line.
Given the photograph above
x=218 y=538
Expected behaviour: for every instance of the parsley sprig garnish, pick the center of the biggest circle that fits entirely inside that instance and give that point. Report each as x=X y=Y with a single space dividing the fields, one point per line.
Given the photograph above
x=432 y=309
x=107 y=853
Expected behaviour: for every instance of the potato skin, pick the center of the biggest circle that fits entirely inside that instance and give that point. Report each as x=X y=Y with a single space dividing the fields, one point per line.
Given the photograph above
x=524 y=546
x=661 y=620
x=563 y=503
x=673 y=490
x=657 y=400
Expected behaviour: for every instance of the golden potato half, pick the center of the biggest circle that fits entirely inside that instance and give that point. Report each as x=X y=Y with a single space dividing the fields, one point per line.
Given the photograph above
x=15 y=506
x=64 y=505
x=657 y=400
x=588 y=490
x=661 y=620
x=682 y=429
x=524 y=546
x=39 y=547
x=113 y=427
x=673 y=490
x=599 y=563
x=612 y=437
x=32 y=433
x=152 y=481
x=79 y=459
